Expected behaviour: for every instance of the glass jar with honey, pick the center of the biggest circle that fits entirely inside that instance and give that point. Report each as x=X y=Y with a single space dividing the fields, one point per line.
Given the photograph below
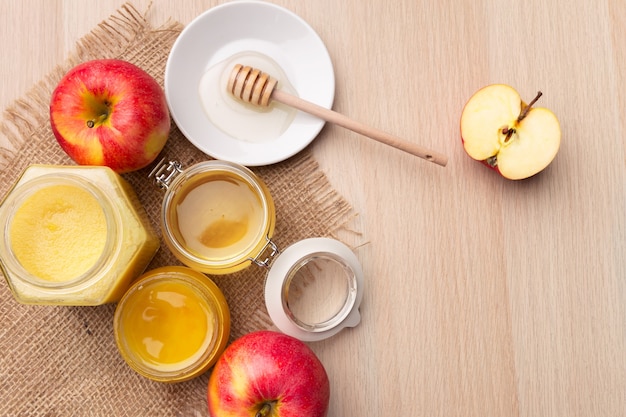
x=172 y=324
x=217 y=217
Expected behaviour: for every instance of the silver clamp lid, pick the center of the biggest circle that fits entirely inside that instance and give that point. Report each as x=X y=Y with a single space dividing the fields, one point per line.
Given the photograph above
x=314 y=289
x=164 y=172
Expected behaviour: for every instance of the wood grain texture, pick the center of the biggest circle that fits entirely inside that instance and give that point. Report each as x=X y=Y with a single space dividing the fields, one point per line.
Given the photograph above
x=484 y=297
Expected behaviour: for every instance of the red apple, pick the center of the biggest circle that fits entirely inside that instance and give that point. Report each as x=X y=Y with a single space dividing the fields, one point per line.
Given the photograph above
x=504 y=133
x=268 y=374
x=110 y=112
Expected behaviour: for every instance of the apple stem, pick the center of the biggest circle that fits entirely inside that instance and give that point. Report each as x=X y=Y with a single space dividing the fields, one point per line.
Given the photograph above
x=104 y=113
x=264 y=411
x=524 y=113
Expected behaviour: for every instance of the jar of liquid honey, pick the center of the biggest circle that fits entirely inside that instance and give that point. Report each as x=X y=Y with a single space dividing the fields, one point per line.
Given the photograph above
x=73 y=235
x=172 y=324
x=218 y=217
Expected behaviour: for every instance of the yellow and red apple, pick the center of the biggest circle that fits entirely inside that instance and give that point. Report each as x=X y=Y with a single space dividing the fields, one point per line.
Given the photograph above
x=508 y=135
x=110 y=112
x=268 y=374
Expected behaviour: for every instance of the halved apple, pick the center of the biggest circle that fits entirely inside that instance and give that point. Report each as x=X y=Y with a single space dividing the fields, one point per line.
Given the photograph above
x=501 y=131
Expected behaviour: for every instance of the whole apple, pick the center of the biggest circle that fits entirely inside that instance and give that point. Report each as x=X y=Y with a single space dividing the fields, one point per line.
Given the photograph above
x=110 y=112
x=268 y=374
x=508 y=135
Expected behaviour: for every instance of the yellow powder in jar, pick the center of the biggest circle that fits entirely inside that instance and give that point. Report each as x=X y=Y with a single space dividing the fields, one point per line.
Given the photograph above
x=58 y=233
x=167 y=324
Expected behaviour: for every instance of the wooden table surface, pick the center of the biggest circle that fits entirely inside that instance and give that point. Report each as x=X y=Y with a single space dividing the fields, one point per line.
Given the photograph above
x=484 y=297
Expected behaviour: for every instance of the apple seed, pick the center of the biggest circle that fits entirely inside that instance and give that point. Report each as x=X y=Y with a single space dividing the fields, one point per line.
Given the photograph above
x=509 y=133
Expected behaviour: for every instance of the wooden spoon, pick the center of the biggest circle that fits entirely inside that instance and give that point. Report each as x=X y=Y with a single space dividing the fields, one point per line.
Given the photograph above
x=255 y=87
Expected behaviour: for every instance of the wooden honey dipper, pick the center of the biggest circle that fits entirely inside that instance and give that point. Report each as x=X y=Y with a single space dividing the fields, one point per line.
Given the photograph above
x=250 y=85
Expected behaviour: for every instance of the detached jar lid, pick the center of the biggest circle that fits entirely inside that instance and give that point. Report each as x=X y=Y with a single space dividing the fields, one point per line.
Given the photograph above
x=314 y=289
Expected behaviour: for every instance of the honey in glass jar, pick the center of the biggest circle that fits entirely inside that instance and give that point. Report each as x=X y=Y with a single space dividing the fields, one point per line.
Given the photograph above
x=172 y=324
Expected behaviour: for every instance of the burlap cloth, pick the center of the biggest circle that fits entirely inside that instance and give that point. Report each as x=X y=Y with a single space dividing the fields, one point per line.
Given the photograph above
x=62 y=361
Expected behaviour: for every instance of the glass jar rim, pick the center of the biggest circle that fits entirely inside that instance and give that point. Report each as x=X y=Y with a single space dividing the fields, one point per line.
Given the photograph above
x=14 y=201
x=340 y=311
x=210 y=294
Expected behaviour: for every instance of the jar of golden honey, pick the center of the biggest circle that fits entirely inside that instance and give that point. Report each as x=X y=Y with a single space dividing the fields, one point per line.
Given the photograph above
x=218 y=217
x=172 y=324
x=73 y=235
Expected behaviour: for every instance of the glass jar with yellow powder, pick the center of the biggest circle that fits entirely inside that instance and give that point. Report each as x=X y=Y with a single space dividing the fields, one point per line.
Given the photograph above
x=73 y=235
x=172 y=324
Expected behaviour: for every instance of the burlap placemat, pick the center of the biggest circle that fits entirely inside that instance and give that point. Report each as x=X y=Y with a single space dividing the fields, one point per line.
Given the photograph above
x=62 y=361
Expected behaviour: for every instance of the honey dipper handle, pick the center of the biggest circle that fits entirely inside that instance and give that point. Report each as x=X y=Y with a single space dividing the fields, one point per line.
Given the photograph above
x=353 y=125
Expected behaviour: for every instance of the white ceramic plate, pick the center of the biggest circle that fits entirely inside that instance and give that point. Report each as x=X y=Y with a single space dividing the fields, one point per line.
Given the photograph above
x=236 y=27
